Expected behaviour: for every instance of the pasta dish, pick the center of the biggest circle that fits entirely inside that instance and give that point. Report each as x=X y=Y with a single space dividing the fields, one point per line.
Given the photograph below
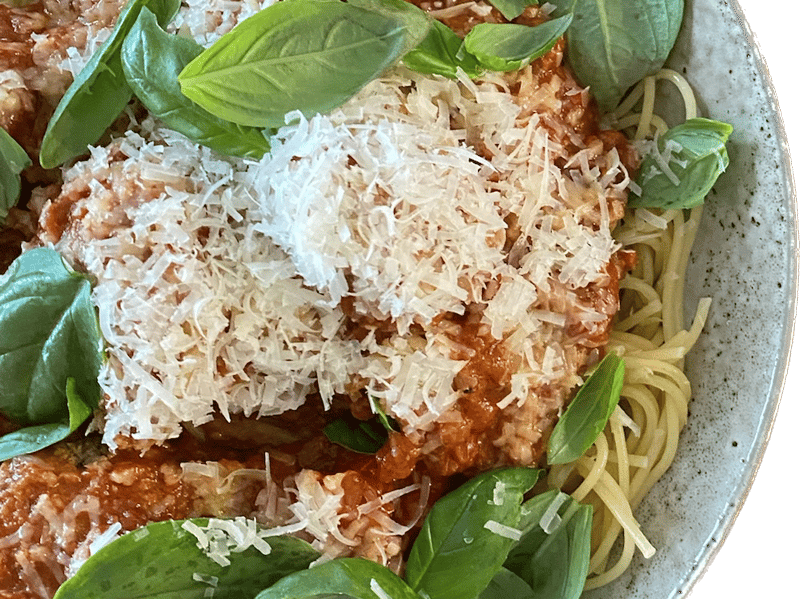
x=322 y=327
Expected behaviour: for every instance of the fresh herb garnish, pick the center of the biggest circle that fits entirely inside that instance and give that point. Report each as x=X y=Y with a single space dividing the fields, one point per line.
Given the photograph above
x=361 y=436
x=511 y=9
x=455 y=537
x=50 y=351
x=164 y=560
x=152 y=60
x=587 y=414
x=356 y=578
x=440 y=53
x=13 y=160
x=553 y=562
x=508 y=47
x=33 y=438
x=302 y=55
x=694 y=153
x=613 y=44
x=99 y=93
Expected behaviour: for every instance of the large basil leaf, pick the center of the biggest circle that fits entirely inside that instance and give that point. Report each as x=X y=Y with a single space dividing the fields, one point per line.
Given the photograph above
x=699 y=159
x=613 y=44
x=99 y=93
x=33 y=438
x=13 y=159
x=152 y=60
x=587 y=413
x=346 y=577
x=48 y=334
x=508 y=47
x=302 y=55
x=554 y=563
x=455 y=555
x=163 y=561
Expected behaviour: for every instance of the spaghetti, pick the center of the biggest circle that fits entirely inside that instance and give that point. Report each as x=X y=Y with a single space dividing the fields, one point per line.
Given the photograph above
x=615 y=475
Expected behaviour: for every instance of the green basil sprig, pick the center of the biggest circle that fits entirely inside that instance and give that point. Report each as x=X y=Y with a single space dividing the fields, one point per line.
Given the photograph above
x=454 y=537
x=356 y=578
x=152 y=60
x=99 y=93
x=30 y=439
x=13 y=160
x=613 y=44
x=50 y=351
x=700 y=158
x=587 y=413
x=440 y=53
x=553 y=563
x=361 y=436
x=511 y=9
x=163 y=560
x=508 y=47
x=302 y=55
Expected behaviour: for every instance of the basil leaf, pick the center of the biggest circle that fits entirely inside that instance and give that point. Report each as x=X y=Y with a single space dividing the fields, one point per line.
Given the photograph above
x=48 y=334
x=99 y=93
x=440 y=54
x=302 y=55
x=163 y=561
x=389 y=423
x=511 y=9
x=555 y=563
x=613 y=44
x=13 y=160
x=700 y=159
x=508 y=47
x=505 y=585
x=33 y=438
x=587 y=413
x=345 y=577
x=152 y=60
x=361 y=436
x=455 y=555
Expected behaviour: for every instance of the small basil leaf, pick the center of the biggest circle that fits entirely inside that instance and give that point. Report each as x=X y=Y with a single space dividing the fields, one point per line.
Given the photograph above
x=440 y=54
x=152 y=60
x=48 y=334
x=361 y=436
x=99 y=93
x=511 y=9
x=302 y=55
x=162 y=560
x=507 y=585
x=345 y=577
x=389 y=423
x=555 y=563
x=455 y=554
x=699 y=159
x=13 y=160
x=33 y=438
x=508 y=47
x=587 y=413
x=613 y=44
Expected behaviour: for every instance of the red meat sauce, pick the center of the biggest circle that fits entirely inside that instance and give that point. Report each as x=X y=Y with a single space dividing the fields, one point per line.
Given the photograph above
x=134 y=488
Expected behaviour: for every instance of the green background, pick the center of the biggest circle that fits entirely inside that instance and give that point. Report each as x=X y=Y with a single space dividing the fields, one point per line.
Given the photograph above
x=762 y=554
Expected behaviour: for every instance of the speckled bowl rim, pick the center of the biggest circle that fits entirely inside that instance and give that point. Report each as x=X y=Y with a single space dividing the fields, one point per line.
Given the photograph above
x=771 y=412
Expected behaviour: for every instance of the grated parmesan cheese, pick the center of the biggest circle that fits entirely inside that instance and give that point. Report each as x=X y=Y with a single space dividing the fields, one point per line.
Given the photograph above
x=503 y=530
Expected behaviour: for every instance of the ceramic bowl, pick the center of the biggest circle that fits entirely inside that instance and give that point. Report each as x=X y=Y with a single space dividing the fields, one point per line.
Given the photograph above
x=745 y=259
